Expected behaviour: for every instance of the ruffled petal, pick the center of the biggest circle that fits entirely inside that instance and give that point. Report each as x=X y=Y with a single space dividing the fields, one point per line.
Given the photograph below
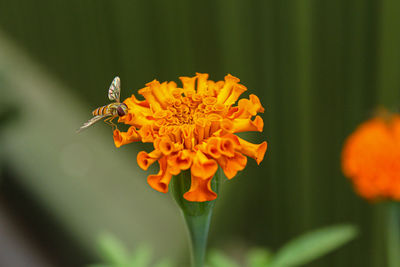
x=147 y=133
x=188 y=83
x=213 y=147
x=203 y=166
x=122 y=138
x=202 y=83
x=237 y=90
x=200 y=190
x=226 y=90
x=147 y=93
x=228 y=145
x=145 y=159
x=255 y=151
x=231 y=165
x=166 y=146
x=247 y=125
x=181 y=160
x=161 y=180
x=160 y=92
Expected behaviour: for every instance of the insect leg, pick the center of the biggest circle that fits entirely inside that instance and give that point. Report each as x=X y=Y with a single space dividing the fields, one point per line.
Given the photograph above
x=110 y=122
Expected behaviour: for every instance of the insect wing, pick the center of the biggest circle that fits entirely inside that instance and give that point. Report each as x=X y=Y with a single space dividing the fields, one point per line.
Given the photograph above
x=115 y=89
x=91 y=122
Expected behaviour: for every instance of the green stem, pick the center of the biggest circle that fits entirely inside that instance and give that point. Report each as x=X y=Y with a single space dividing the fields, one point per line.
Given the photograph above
x=198 y=227
x=393 y=238
x=197 y=215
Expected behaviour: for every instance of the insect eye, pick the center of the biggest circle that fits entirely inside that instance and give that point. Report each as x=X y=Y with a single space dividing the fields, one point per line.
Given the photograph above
x=120 y=111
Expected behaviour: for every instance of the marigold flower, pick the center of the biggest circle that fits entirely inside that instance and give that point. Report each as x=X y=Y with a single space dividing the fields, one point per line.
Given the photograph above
x=192 y=127
x=371 y=158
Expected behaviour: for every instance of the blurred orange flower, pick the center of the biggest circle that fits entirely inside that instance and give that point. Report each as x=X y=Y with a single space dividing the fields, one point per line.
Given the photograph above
x=193 y=128
x=371 y=158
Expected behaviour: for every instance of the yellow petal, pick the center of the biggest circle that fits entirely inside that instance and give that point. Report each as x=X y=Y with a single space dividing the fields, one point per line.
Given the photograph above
x=188 y=83
x=247 y=125
x=225 y=91
x=237 y=90
x=201 y=82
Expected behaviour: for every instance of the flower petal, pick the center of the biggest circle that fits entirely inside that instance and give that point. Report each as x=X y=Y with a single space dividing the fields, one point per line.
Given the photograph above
x=122 y=138
x=188 y=83
x=203 y=166
x=161 y=180
x=247 y=125
x=231 y=165
x=200 y=190
x=145 y=159
x=181 y=160
x=256 y=151
x=237 y=90
x=166 y=146
x=201 y=82
x=225 y=92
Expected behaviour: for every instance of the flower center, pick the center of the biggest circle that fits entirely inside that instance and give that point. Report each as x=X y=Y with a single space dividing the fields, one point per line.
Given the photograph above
x=188 y=110
x=193 y=116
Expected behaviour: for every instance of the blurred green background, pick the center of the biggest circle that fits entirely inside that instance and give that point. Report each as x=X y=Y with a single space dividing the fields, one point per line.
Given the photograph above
x=319 y=67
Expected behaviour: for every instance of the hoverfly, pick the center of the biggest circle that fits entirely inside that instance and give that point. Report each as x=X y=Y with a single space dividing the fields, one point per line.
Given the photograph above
x=112 y=110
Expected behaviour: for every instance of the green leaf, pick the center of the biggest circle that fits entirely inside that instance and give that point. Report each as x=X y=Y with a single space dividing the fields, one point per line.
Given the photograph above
x=164 y=263
x=313 y=245
x=112 y=250
x=218 y=259
x=258 y=257
x=141 y=257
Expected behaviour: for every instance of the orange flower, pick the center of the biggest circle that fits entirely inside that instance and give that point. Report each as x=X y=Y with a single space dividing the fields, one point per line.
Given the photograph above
x=192 y=127
x=371 y=158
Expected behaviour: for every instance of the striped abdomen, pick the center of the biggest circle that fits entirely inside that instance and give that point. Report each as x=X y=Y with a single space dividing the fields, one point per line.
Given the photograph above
x=104 y=110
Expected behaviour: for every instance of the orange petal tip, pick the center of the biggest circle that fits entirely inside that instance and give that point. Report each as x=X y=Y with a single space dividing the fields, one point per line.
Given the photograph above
x=262 y=148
